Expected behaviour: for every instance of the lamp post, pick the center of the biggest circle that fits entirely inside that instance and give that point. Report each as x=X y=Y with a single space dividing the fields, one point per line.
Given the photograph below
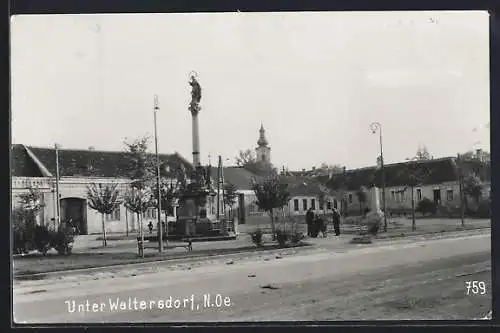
x=160 y=226
x=376 y=126
x=58 y=202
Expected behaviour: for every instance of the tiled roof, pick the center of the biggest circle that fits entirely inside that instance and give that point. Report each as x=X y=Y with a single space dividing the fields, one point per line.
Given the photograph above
x=73 y=162
x=306 y=186
x=21 y=165
x=439 y=171
x=238 y=176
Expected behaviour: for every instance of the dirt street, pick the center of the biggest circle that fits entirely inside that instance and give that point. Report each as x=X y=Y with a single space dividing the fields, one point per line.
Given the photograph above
x=419 y=280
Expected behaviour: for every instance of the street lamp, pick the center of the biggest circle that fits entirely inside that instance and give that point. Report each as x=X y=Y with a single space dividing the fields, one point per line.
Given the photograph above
x=158 y=181
x=58 y=202
x=374 y=127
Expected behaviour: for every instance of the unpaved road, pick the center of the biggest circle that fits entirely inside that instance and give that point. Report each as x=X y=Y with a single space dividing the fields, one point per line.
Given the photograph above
x=422 y=280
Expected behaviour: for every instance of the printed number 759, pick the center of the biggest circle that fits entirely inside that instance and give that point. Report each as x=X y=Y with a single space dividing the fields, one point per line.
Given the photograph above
x=475 y=287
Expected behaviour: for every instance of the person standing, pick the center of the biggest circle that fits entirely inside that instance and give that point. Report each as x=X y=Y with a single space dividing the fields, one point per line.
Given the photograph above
x=309 y=221
x=322 y=226
x=336 y=221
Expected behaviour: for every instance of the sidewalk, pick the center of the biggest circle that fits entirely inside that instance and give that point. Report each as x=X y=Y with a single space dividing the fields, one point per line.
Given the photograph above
x=120 y=257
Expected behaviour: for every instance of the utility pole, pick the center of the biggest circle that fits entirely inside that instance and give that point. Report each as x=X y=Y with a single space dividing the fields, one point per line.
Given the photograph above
x=160 y=226
x=461 y=188
x=58 y=202
x=218 y=186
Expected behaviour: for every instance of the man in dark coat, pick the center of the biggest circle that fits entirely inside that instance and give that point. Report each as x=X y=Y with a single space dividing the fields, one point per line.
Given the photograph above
x=322 y=226
x=309 y=221
x=336 y=221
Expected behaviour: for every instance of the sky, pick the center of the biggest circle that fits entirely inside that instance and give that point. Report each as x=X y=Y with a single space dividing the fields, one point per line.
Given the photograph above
x=316 y=81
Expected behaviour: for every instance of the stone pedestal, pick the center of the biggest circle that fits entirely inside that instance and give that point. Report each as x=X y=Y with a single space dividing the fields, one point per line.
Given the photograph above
x=374 y=200
x=187 y=214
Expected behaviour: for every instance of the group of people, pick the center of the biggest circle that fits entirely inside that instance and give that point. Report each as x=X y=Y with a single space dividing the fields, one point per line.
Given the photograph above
x=316 y=224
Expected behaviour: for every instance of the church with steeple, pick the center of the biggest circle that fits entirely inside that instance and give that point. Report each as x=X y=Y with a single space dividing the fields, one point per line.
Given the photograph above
x=263 y=151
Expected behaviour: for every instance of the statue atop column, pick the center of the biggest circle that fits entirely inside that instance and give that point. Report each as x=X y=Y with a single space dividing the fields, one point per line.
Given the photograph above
x=194 y=106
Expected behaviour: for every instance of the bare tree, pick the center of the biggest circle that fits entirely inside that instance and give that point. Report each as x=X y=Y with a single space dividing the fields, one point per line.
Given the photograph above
x=104 y=200
x=271 y=193
x=245 y=158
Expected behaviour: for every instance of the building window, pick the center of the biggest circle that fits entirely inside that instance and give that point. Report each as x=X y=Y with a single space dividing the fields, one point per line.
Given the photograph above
x=402 y=196
x=313 y=204
x=419 y=194
x=350 y=197
x=321 y=205
x=304 y=204
x=329 y=204
x=334 y=204
x=393 y=195
x=449 y=195
x=150 y=213
x=115 y=216
x=296 y=205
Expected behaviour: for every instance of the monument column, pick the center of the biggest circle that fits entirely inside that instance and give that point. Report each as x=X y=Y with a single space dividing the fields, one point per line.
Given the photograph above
x=196 y=140
x=194 y=108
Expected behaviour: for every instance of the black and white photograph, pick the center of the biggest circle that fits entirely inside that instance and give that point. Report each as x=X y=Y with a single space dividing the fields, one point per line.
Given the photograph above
x=250 y=167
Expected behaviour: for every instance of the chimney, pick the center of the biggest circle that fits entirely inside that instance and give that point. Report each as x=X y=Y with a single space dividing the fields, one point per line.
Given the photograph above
x=313 y=168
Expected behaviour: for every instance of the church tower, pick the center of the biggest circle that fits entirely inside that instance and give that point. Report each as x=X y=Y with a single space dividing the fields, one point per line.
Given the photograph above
x=263 y=151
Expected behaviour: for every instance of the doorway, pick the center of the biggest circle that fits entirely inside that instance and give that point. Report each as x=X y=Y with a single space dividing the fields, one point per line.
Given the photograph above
x=437 y=197
x=76 y=210
x=241 y=209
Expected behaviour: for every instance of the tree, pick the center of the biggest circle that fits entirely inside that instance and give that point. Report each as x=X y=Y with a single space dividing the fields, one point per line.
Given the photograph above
x=340 y=182
x=271 y=193
x=423 y=154
x=104 y=200
x=138 y=201
x=470 y=166
x=31 y=203
x=169 y=192
x=230 y=196
x=474 y=156
x=414 y=173
x=329 y=169
x=142 y=166
x=323 y=195
x=473 y=187
x=362 y=195
x=245 y=158
x=24 y=218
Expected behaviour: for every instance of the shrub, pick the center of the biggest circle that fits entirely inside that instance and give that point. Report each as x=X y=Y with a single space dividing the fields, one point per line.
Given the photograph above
x=62 y=241
x=282 y=237
x=296 y=237
x=426 y=206
x=257 y=237
x=23 y=230
x=373 y=221
x=41 y=239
